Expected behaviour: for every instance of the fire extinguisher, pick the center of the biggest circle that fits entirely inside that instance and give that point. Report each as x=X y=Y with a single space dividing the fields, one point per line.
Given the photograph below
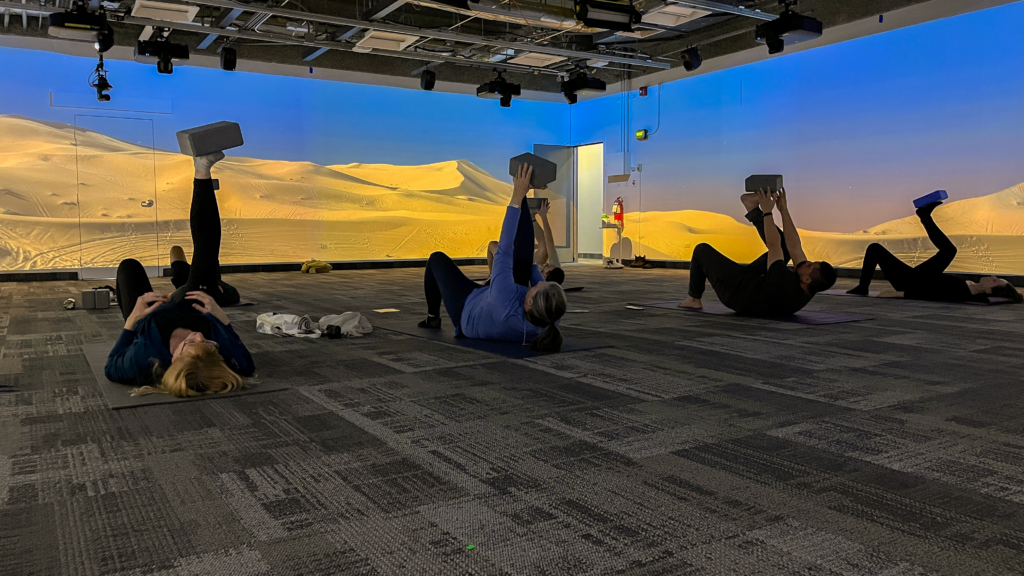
x=617 y=213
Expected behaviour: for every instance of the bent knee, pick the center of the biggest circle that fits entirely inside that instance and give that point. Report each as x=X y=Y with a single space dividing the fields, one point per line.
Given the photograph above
x=702 y=248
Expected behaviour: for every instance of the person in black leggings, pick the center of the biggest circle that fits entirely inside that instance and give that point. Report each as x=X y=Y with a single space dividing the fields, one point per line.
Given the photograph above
x=927 y=280
x=181 y=270
x=517 y=304
x=183 y=342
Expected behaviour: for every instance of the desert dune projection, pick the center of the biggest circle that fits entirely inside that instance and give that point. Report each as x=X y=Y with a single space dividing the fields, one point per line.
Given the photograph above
x=272 y=211
x=84 y=199
x=988 y=232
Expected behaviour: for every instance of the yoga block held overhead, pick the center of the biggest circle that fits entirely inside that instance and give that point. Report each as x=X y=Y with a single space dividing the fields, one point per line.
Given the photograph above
x=544 y=170
x=216 y=137
x=937 y=196
x=763 y=182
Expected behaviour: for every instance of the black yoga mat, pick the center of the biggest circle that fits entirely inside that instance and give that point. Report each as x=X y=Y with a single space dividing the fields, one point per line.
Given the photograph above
x=992 y=301
x=801 y=317
x=516 y=350
x=242 y=304
x=120 y=395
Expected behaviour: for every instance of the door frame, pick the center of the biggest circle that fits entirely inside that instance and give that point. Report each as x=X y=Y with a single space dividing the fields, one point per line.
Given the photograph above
x=107 y=272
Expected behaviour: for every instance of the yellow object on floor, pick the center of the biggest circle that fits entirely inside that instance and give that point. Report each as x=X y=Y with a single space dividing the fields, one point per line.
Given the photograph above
x=315 y=267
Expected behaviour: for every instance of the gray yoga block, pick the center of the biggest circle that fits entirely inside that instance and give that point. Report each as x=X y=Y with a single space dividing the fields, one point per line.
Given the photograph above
x=95 y=299
x=216 y=137
x=544 y=170
x=763 y=182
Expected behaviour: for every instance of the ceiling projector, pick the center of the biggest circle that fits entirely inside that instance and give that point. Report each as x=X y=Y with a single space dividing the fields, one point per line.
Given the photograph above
x=789 y=28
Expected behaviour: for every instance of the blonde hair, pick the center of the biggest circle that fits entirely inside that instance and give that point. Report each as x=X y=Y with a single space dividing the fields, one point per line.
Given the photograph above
x=204 y=372
x=549 y=305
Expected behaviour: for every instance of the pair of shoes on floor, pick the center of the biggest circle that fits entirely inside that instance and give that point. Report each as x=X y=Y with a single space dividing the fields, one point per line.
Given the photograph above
x=641 y=262
x=433 y=323
x=333 y=332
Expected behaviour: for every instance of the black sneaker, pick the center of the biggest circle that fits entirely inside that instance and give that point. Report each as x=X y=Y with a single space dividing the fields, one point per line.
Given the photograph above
x=431 y=323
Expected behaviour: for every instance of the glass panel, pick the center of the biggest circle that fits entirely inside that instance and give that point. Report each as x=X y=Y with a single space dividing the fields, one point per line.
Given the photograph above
x=561 y=193
x=116 y=194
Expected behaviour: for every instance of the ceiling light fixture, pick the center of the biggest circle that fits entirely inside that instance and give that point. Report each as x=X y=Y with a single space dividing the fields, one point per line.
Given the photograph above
x=692 y=59
x=80 y=23
x=499 y=89
x=581 y=84
x=789 y=28
x=618 y=16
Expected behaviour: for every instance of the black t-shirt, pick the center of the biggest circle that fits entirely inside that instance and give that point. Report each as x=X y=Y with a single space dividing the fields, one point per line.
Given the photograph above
x=181 y=315
x=944 y=288
x=776 y=292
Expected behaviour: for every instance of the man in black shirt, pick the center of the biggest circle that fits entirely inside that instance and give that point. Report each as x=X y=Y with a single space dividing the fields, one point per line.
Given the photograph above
x=765 y=287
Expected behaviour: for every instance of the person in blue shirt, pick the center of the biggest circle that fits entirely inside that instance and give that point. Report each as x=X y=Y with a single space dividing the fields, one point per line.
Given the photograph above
x=503 y=310
x=181 y=344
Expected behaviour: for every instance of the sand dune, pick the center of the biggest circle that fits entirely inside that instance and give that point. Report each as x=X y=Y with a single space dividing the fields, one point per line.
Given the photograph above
x=72 y=199
x=272 y=210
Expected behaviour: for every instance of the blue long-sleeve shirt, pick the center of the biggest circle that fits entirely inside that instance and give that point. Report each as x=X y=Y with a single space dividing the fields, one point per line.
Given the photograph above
x=131 y=360
x=495 y=312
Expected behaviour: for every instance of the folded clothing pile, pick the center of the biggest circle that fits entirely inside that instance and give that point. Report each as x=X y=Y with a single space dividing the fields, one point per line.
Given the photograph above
x=349 y=324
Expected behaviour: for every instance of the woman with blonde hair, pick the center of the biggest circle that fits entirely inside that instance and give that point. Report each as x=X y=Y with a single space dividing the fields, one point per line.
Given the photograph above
x=182 y=344
x=504 y=309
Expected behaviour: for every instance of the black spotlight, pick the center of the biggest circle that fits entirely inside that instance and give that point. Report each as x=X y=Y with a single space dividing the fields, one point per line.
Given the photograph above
x=581 y=84
x=162 y=52
x=692 y=59
x=228 y=59
x=789 y=28
x=98 y=81
x=427 y=79
x=498 y=89
x=608 y=14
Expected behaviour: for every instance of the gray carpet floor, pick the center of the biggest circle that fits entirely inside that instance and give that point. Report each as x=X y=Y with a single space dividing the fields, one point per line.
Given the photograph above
x=697 y=445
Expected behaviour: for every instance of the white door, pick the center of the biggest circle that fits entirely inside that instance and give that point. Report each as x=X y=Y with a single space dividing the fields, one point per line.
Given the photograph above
x=117 y=207
x=589 y=201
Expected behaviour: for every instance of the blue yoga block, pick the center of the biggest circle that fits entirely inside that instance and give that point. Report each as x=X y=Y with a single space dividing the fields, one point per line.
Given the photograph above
x=936 y=196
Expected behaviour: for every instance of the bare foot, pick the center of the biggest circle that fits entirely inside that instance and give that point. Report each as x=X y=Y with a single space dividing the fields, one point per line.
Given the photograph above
x=749 y=201
x=692 y=302
x=177 y=254
x=203 y=164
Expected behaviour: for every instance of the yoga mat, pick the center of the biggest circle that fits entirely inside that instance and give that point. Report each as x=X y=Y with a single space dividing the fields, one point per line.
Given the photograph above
x=120 y=395
x=801 y=317
x=890 y=294
x=242 y=304
x=573 y=289
x=515 y=350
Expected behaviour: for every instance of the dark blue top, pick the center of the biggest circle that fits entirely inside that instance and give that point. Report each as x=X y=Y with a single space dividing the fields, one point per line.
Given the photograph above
x=131 y=360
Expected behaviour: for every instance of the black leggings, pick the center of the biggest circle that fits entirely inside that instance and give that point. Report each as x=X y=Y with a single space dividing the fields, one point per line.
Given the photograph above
x=444 y=282
x=902 y=276
x=204 y=273
x=726 y=275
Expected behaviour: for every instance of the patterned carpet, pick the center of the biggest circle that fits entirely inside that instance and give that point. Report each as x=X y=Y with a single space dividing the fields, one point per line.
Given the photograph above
x=698 y=445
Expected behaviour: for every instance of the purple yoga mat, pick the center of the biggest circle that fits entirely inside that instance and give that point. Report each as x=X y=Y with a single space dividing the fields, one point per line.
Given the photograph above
x=801 y=317
x=992 y=301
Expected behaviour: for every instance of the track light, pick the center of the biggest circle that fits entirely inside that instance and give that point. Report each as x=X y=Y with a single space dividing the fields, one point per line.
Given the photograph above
x=79 y=23
x=98 y=81
x=692 y=59
x=789 y=28
x=228 y=59
x=427 y=80
x=581 y=84
x=608 y=14
x=162 y=52
x=498 y=89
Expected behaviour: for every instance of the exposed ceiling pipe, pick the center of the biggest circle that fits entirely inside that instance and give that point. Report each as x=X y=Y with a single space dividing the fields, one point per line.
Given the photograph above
x=423 y=32
x=288 y=40
x=523 y=14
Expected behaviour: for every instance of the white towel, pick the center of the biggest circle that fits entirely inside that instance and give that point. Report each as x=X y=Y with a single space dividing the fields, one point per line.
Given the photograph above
x=353 y=324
